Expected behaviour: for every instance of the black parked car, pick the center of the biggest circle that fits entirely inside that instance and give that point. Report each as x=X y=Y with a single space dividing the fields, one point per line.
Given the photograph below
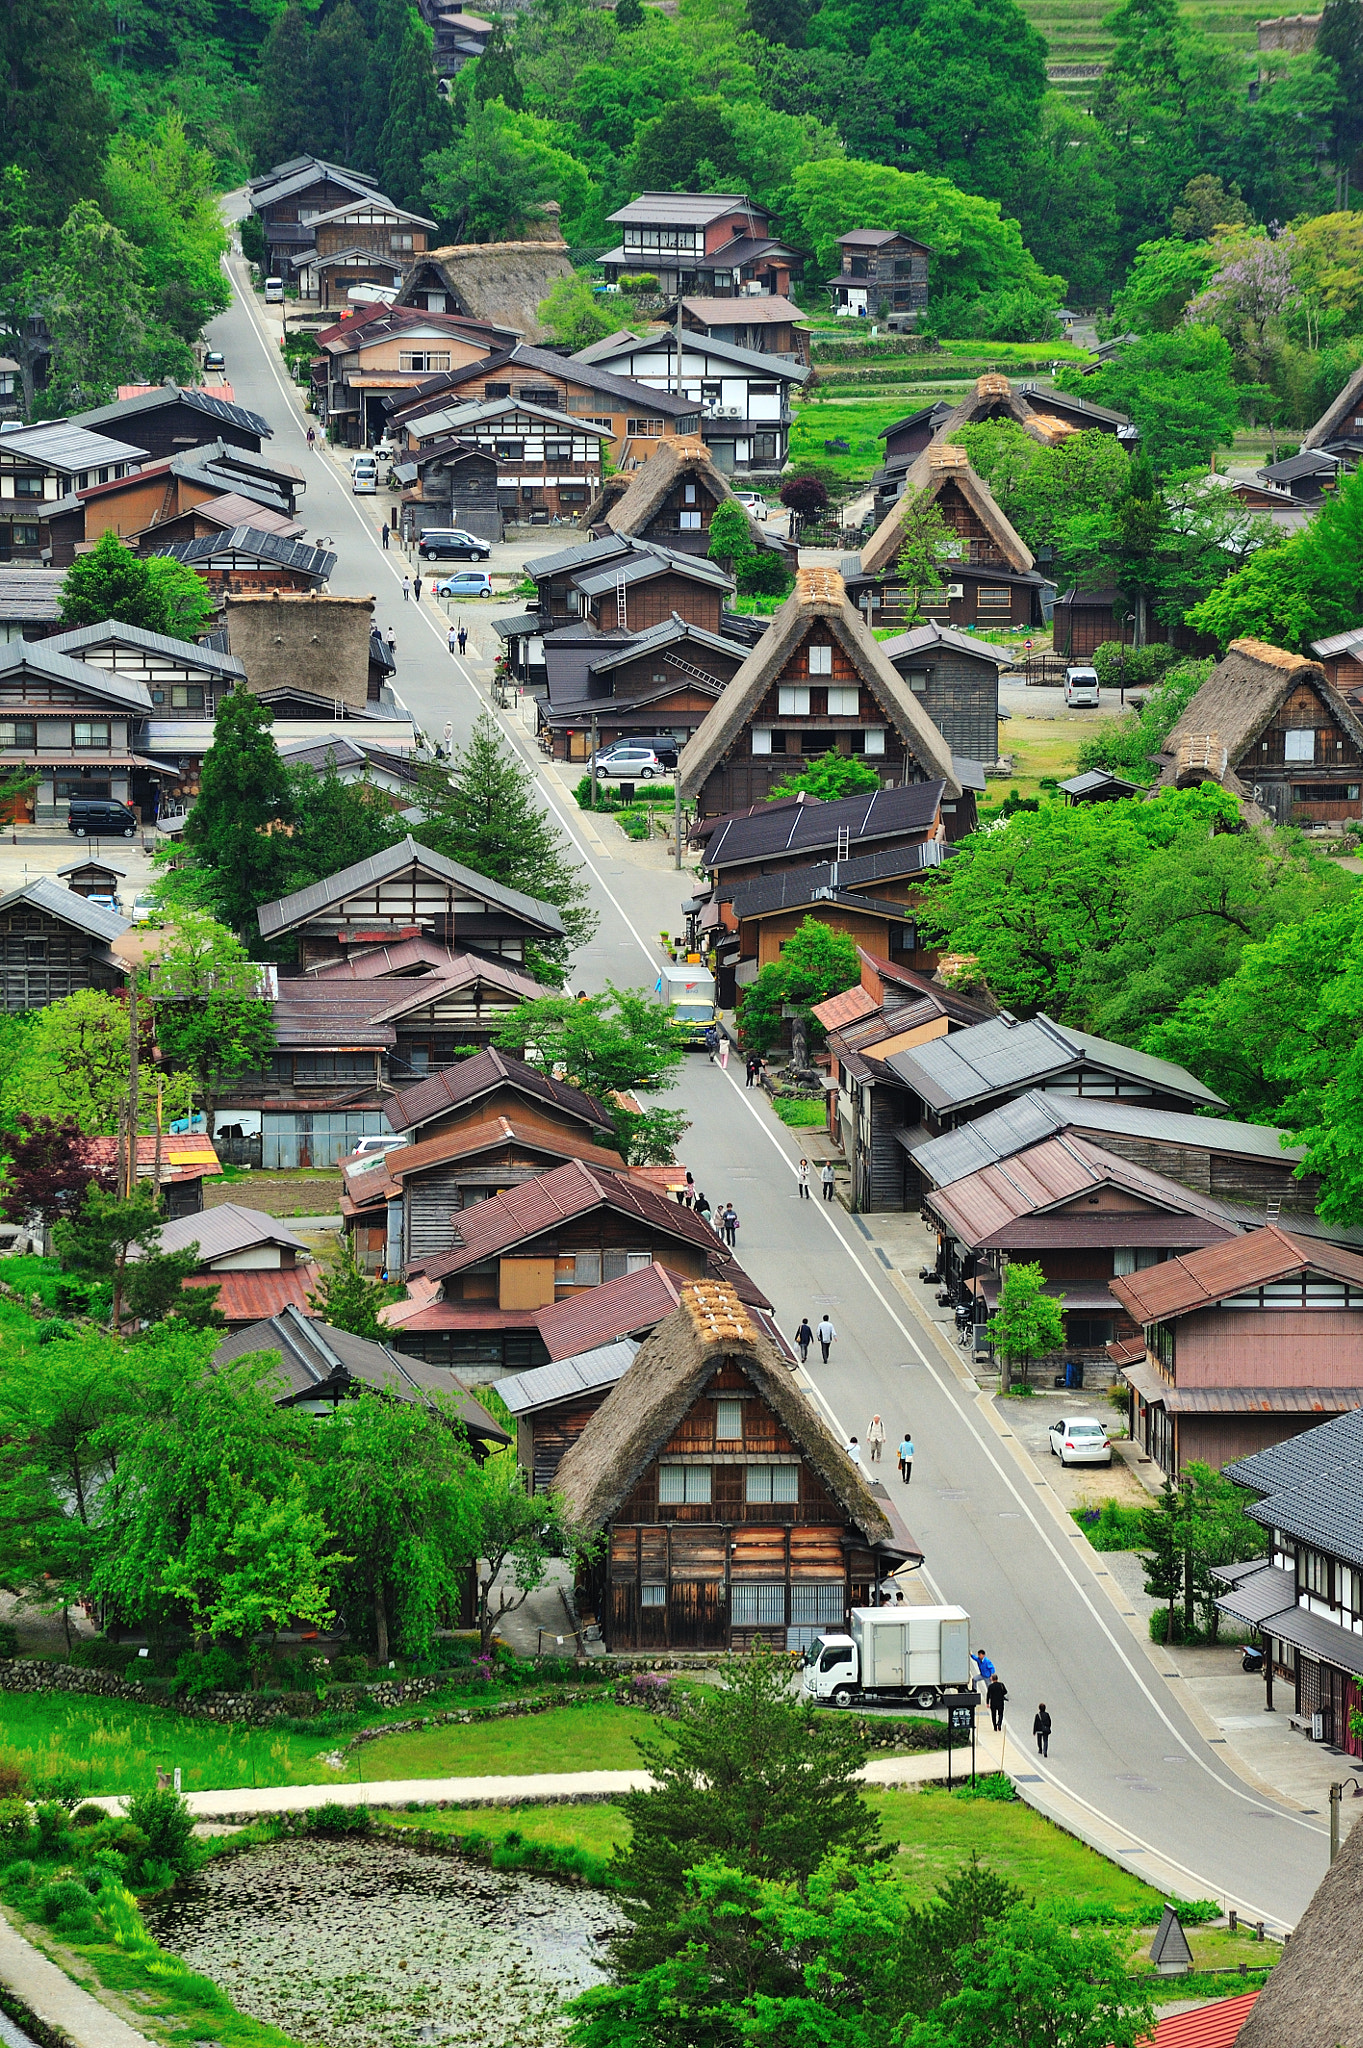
x=451 y=543
x=101 y=817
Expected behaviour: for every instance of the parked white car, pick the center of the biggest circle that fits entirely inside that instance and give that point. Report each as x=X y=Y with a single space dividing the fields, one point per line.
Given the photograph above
x=637 y=764
x=751 y=502
x=1080 y=1440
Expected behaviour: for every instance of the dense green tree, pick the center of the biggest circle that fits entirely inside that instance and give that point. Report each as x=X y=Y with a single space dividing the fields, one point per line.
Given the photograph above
x=747 y=1774
x=1340 y=40
x=492 y=183
x=629 y=15
x=1028 y=1323
x=778 y=21
x=397 y=1477
x=111 y=582
x=1063 y=194
x=1032 y=1979
x=57 y=124
x=1159 y=284
x=337 y=71
x=1039 y=488
x=1179 y=388
x=1206 y=206
x=736 y=545
x=816 y=962
x=575 y=314
x=1110 y=921
x=494 y=74
x=332 y=825
x=418 y=122
x=97 y=1239
x=616 y=1042
x=95 y=312
x=687 y=148
x=386 y=38
x=286 y=113
x=483 y=809
x=154 y=1288
x=1128 y=746
x=243 y=792
x=348 y=1299
x=160 y=191
x=518 y=1533
x=211 y=1018
x=26 y=249
x=1297 y=593
x=829 y=777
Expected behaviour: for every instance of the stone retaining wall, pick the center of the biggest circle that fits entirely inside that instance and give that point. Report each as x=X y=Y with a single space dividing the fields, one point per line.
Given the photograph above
x=21 y=1674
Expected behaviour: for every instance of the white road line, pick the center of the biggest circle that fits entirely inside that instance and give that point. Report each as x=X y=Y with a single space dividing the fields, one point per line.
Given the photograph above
x=1024 y=1503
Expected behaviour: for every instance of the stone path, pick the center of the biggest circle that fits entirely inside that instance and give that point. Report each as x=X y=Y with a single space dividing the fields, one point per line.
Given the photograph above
x=52 y=1997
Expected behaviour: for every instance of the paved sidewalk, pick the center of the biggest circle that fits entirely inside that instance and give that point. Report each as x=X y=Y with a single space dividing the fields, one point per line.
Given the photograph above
x=52 y=1997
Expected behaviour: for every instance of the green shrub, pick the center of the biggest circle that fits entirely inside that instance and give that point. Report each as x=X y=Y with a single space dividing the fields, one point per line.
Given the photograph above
x=990 y=1785
x=16 y=1877
x=335 y=1819
x=55 y=1331
x=104 y=1655
x=64 y=1896
x=212 y=1670
x=15 y=1826
x=1111 y=1526
x=799 y=1113
x=53 y=1822
x=168 y=1825
x=350 y=1669
x=62 y=1786
x=635 y=824
x=1135 y=668
x=88 y=1816
x=9 y=1639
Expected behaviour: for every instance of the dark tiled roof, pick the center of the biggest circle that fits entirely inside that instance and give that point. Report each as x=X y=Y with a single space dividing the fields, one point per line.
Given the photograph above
x=1312 y=1486
x=322 y=896
x=1006 y=1055
x=218 y=409
x=779 y=829
x=256 y=547
x=804 y=885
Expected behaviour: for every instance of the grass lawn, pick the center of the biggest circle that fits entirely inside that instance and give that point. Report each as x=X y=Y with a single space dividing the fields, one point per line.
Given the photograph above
x=1037 y=747
x=598 y=1827
x=858 y=422
x=799 y=1114
x=595 y=1738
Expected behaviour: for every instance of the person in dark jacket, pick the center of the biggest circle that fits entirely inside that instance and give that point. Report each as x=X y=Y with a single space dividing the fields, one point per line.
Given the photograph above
x=804 y=1337
x=1041 y=1728
x=996 y=1693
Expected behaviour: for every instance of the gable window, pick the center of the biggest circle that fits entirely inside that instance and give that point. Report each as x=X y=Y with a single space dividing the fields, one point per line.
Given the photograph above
x=496 y=391
x=689 y=494
x=186 y=697
x=28 y=487
x=683 y=1485
x=1299 y=745
x=793 y=703
x=844 y=703
x=587 y=1269
x=729 y=1422
x=424 y=359
x=773 y=1482
x=821 y=661
x=688 y=522
x=761 y=739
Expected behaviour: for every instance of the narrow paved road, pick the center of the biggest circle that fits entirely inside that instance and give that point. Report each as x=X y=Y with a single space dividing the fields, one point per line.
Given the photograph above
x=1123 y=1748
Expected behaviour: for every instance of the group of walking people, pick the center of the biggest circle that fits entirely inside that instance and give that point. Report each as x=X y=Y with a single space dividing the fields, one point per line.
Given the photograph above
x=827 y=1179
x=875 y=1439
x=723 y=1221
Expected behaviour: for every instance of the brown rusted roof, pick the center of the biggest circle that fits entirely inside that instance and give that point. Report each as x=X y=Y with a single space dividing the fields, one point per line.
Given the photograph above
x=1200 y=1279
x=251 y=1297
x=190 y=1157
x=454 y=1087
x=377 y=1182
x=628 y=1307
x=981 y=1205
x=846 y=1008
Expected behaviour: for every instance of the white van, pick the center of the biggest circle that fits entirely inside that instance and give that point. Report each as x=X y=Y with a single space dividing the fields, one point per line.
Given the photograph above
x=1081 y=688
x=274 y=291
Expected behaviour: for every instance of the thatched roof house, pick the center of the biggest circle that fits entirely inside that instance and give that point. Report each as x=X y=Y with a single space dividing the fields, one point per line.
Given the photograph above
x=1270 y=727
x=501 y=282
x=817 y=675
x=1340 y=426
x=942 y=475
x=1314 y=1998
x=306 y=639
x=672 y=498
x=730 y=1512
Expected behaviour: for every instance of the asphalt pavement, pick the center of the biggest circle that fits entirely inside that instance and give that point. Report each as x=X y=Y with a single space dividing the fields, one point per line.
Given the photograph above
x=1123 y=1751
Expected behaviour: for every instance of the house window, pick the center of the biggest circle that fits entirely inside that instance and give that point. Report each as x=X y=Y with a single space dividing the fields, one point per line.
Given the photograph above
x=680 y=1485
x=496 y=391
x=994 y=600
x=18 y=732
x=773 y=1482
x=23 y=534
x=761 y=739
x=757 y=1606
x=764 y=448
x=792 y=703
x=558 y=451
x=821 y=661
x=93 y=732
x=844 y=703
x=1300 y=745
x=653 y=1596
x=648 y=430
x=186 y=697
x=688 y=494
x=587 y=1269
x=816 y=1606
x=28 y=487
x=729 y=1422
x=688 y=522
x=66 y=786
x=510 y=451
x=424 y=359
x=399 y=241
x=1088 y=1333
x=572 y=494
x=918 y=681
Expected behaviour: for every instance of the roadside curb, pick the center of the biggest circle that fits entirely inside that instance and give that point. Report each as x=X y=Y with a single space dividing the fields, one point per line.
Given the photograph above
x=41 y=1997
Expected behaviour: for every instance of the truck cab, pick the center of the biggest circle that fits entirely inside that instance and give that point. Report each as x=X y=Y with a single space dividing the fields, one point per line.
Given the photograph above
x=688 y=992
x=907 y=1656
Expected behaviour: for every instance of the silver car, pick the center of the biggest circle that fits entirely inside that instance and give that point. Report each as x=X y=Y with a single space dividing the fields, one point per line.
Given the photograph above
x=1080 y=1440
x=638 y=763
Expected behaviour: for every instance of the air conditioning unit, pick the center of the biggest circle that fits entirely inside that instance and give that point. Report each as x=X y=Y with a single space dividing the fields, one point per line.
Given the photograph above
x=733 y=412
x=955 y=590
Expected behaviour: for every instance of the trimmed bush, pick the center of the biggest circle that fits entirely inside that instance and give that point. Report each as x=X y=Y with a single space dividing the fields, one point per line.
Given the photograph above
x=88 y=1816
x=212 y=1670
x=335 y=1819
x=168 y=1825
x=1134 y=668
x=15 y=1826
x=350 y=1669
x=66 y=1901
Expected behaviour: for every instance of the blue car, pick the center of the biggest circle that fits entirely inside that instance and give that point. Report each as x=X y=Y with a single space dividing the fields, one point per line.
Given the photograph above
x=465 y=583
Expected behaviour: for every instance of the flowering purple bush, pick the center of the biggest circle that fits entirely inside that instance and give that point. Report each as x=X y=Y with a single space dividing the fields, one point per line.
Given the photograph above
x=651 y=1689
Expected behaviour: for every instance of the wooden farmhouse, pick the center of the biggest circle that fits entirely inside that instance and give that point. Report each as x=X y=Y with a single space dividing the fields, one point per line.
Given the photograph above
x=178 y=1162
x=501 y=283
x=955 y=677
x=729 y=1515
x=670 y=499
x=817 y=682
x=616 y=587
x=41 y=470
x=451 y=482
x=409 y=892
x=1304 y=1600
x=92 y=877
x=880 y=272
x=744 y=397
x=54 y=943
x=1242 y=1345
x=990 y=581
x=794 y=832
x=874 y=900
x=763 y=323
x=1339 y=430
x=1341 y=656
x=1269 y=727
x=368 y=240
x=170 y=418
x=73 y=726
x=603 y=687
x=248 y=560
x=492 y=1085
x=287 y=200
x=1045 y=418
x=383 y=358
x=256 y=1261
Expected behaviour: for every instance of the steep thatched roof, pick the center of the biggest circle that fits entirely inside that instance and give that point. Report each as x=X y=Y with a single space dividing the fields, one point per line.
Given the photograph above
x=710 y=1328
x=1242 y=693
x=995 y=399
x=681 y=458
x=502 y=282
x=941 y=463
x=818 y=594
x=1314 y=1998
x=1330 y=425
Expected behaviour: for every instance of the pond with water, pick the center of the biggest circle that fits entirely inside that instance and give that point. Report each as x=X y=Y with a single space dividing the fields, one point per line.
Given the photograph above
x=362 y=1944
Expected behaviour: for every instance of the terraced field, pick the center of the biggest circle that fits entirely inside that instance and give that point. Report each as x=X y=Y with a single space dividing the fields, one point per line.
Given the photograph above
x=1077 y=40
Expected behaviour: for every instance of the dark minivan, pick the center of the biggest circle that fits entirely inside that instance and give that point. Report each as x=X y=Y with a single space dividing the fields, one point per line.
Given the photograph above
x=101 y=817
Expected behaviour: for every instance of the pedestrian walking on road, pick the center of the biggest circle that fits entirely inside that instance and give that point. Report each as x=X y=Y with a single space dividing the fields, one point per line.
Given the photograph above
x=754 y=1068
x=996 y=1693
x=463 y=638
x=1041 y=1728
x=724 y=1051
x=729 y=1219
x=416 y=588
x=702 y=1208
x=385 y=536
x=826 y=1175
x=452 y=641
x=804 y=1337
x=906 y=1457
x=854 y=1450
x=406 y=588
x=875 y=1437
x=392 y=642
x=711 y=1043
x=803 y=1171
x=312 y=439
x=825 y=1334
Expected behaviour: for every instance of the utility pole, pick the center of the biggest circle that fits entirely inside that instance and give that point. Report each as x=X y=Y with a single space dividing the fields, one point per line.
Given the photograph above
x=676 y=819
x=130 y=1190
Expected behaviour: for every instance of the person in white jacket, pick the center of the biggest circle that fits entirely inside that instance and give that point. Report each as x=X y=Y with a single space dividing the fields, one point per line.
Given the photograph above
x=875 y=1437
x=825 y=1334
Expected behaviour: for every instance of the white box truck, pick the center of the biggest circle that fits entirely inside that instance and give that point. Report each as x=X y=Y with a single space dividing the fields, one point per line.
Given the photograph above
x=689 y=993
x=901 y=1656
